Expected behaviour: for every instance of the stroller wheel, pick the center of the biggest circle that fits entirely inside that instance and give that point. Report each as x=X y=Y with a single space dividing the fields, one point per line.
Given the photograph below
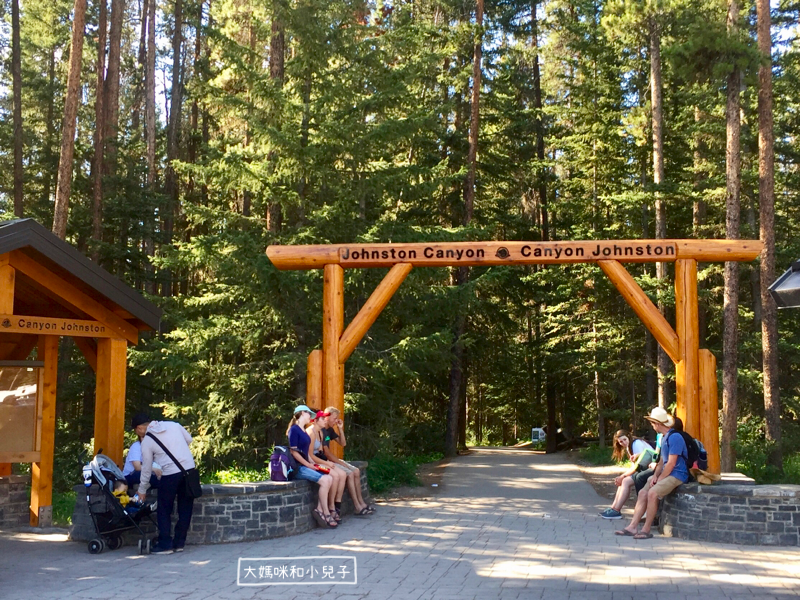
x=147 y=547
x=115 y=542
x=96 y=546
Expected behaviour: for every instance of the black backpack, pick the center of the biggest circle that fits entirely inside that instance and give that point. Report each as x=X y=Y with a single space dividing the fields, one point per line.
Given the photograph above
x=692 y=450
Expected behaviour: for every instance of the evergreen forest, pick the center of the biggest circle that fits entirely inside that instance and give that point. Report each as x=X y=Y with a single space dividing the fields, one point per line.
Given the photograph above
x=172 y=141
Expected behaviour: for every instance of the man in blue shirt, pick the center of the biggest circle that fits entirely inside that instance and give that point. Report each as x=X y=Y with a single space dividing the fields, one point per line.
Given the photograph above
x=670 y=472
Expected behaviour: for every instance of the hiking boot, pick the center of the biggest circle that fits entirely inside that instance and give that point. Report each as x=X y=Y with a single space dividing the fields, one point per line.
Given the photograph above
x=610 y=513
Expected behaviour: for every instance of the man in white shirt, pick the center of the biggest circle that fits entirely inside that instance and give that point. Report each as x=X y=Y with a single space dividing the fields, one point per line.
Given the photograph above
x=133 y=461
x=176 y=439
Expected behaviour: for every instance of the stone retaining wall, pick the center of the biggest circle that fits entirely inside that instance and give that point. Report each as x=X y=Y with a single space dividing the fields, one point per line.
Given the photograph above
x=767 y=515
x=237 y=512
x=14 y=503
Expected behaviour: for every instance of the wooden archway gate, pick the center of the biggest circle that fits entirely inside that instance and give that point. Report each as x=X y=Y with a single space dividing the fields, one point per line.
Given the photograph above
x=695 y=369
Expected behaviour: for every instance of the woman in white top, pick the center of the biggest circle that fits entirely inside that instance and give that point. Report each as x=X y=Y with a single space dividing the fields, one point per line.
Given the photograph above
x=627 y=446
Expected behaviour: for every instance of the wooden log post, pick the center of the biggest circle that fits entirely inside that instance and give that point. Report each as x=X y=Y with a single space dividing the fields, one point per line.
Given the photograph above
x=314 y=379
x=371 y=310
x=650 y=316
x=709 y=409
x=687 y=371
x=41 y=507
x=332 y=326
x=109 y=416
x=7 y=280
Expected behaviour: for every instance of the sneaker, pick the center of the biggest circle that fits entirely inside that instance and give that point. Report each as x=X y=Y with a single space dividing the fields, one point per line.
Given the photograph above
x=610 y=513
x=159 y=550
x=178 y=549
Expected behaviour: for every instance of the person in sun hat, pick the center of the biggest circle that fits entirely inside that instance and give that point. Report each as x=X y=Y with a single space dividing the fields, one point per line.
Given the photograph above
x=670 y=472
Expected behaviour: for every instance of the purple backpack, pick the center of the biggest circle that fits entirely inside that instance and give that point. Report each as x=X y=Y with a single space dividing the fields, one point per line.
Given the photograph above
x=282 y=465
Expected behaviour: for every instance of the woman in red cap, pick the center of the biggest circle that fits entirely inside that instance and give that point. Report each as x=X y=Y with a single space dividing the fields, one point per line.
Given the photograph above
x=317 y=455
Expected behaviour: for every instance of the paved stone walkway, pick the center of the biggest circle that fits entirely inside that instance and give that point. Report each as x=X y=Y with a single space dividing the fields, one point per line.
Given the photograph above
x=507 y=524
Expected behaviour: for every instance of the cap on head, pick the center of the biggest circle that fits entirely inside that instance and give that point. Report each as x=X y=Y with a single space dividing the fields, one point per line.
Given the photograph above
x=303 y=408
x=661 y=416
x=139 y=419
x=322 y=414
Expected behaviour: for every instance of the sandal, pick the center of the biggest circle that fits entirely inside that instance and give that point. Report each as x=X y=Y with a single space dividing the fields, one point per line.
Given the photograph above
x=625 y=532
x=319 y=517
x=643 y=535
x=337 y=515
x=331 y=521
x=364 y=512
x=370 y=508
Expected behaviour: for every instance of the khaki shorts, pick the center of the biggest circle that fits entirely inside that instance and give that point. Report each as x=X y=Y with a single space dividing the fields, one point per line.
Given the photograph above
x=666 y=485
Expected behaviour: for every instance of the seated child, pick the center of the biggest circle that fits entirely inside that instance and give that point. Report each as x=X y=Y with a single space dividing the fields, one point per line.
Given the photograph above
x=121 y=494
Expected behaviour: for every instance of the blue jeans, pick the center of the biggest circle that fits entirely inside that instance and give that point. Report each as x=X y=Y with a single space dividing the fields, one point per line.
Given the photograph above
x=171 y=487
x=136 y=477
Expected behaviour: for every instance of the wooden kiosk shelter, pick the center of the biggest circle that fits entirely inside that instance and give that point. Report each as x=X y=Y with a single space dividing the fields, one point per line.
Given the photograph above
x=696 y=370
x=48 y=290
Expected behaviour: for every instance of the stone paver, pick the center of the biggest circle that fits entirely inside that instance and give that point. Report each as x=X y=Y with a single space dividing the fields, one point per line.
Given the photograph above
x=507 y=524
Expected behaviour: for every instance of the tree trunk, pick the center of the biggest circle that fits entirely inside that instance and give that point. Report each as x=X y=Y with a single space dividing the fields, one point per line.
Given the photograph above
x=730 y=311
x=99 y=133
x=64 y=183
x=456 y=373
x=755 y=278
x=766 y=198
x=173 y=137
x=47 y=184
x=16 y=77
x=150 y=137
x=462 y=273
x=552 y=426
x=537 y=103
x=150 y=95
x=142 y=66
x=474 y=121
x=112 y=85
x=277 y=57
x=658 y=179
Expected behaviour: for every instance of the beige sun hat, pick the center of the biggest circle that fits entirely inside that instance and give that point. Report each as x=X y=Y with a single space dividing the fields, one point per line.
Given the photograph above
x=659 y=415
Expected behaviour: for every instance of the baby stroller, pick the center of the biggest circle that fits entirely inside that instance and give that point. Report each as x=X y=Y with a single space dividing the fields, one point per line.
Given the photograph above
x=108 y=515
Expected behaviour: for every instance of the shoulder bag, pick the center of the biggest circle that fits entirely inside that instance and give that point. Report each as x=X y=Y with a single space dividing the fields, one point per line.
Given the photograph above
x=191 y=478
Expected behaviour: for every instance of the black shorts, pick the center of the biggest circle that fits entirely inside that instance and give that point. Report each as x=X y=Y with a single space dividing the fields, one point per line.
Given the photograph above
x=640 y=479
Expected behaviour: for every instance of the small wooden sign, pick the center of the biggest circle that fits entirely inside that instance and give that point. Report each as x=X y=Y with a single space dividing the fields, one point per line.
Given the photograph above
x=502 y=253
x=47 y=326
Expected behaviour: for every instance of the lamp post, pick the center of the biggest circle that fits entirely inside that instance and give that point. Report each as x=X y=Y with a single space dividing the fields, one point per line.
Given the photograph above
x=786 y=289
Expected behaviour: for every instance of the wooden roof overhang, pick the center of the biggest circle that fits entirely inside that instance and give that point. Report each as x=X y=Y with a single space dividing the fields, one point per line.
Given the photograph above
x=54 y=282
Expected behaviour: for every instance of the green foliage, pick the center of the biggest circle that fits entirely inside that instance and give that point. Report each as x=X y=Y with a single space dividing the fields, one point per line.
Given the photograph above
x=387 y=471
x=236 y=474
x=63 y=507
x=596 y=455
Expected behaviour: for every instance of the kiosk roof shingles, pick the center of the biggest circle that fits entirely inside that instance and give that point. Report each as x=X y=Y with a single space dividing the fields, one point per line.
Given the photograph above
x=41 y=245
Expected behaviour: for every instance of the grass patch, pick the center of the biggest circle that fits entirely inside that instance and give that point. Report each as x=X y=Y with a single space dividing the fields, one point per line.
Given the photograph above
x=387 y=471
x=596 y=455
x=63 y=505
x=236 y=474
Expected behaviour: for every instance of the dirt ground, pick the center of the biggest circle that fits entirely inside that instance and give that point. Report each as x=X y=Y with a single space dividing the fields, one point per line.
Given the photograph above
x=601 y=478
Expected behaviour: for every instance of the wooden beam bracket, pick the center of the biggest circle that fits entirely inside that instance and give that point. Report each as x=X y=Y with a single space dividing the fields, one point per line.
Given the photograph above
x=646 y=311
